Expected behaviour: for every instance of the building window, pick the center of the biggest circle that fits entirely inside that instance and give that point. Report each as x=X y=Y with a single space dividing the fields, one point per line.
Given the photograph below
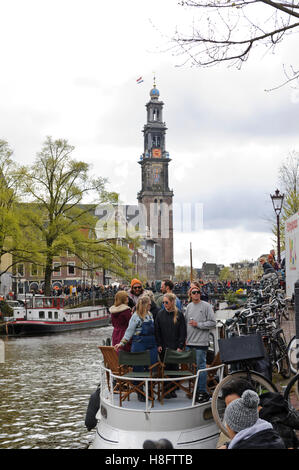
x=71 y=268
x=20 y=269
x=56 y=269
x=33 y=270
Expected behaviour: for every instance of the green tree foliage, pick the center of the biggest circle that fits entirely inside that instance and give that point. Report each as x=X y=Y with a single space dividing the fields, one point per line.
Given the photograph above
x=13 y=242
x=226 y=274
x=55 y=187
x=182 y=273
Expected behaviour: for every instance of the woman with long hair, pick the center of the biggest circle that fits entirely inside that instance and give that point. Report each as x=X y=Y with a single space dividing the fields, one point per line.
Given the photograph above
x=170 y=329
x=120 y=317
x=141 y=331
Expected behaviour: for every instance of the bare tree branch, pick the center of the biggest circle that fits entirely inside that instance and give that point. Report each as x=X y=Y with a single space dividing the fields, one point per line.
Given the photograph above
x=228 y=30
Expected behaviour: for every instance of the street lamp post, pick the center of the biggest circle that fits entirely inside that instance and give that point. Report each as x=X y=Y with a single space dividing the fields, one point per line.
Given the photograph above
x=277 y=201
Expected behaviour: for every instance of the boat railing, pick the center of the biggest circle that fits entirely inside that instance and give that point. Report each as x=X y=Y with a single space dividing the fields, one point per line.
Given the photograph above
x=108 y=378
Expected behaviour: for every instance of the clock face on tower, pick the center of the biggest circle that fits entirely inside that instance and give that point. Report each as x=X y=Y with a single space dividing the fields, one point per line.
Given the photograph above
x=156 y=153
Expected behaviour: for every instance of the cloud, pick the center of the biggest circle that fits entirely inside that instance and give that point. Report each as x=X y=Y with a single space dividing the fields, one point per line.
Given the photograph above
x=71 y=73
x=223 y=246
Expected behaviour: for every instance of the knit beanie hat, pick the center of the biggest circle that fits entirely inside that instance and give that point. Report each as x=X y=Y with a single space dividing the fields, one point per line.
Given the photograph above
x=242 y=413
x=135 y=281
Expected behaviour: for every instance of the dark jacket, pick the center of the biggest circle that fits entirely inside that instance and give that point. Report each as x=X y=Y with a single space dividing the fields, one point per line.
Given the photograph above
x=284 y=419
x=154 y=309
x=259 y=436
x=266 y=439
x=169 y=334
x=268 y=268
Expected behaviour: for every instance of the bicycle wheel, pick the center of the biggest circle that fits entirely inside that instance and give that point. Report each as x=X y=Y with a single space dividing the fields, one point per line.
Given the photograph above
x=281 y=364
x=260 y=384
x=291 y=393
x=293 y=354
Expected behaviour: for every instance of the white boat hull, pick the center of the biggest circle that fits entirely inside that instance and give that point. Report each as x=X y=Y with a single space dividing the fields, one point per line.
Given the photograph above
x=185 y=423
x=127 y=429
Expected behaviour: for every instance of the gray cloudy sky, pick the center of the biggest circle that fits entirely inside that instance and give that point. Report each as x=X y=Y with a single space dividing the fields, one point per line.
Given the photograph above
x=69 y=70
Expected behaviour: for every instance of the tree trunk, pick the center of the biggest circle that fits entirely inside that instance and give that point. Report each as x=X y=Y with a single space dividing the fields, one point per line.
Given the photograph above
x=48 y=275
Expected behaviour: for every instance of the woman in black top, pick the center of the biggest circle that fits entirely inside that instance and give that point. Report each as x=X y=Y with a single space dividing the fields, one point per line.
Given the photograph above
x=170 y=330
x=170 y=326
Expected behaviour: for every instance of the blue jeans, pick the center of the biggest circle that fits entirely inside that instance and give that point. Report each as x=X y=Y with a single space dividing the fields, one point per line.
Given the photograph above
x=201 y=356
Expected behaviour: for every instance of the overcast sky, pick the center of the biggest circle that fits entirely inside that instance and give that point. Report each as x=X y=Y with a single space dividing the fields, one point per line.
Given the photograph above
x=69 y=70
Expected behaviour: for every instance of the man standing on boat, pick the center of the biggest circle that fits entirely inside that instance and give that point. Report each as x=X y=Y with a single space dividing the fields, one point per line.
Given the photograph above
x=200 y=319
x=167 y=288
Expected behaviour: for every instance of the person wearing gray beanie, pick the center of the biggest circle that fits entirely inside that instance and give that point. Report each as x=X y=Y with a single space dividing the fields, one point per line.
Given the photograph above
x=246 y=429
x=243 y=412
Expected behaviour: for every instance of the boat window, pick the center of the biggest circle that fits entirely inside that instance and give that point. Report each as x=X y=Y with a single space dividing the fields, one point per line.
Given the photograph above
x=41 y=314
x=80 y=315
x=55 y=315
x=50 y=315
x=88 y=314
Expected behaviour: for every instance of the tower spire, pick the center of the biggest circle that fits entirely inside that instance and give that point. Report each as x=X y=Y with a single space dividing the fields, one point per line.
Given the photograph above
x=155 y=195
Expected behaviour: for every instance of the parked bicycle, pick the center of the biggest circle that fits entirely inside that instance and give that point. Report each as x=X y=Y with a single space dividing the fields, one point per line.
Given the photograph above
x=276 y=347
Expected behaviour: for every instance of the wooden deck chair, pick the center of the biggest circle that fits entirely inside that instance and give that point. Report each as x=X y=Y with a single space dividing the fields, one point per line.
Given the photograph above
x=212 y=376
x=186 y=361
x=129 y=360
x=111 y=362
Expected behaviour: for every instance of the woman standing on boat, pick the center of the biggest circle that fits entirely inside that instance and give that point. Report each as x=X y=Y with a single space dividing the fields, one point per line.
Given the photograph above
x=170 y=326
x=120 y=317
x=170 y=330
x=141 y=330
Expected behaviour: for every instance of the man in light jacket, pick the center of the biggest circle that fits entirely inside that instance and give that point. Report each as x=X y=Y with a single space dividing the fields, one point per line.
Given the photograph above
x=200 y=319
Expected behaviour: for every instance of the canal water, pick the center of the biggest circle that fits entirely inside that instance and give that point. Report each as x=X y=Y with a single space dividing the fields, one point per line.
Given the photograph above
x=45 y=384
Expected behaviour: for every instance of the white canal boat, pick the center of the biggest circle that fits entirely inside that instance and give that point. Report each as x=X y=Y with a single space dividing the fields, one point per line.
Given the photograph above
x=184 y=422
x=45 y=315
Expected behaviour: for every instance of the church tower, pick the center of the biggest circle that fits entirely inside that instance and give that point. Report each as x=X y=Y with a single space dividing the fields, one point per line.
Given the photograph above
x=155 y=195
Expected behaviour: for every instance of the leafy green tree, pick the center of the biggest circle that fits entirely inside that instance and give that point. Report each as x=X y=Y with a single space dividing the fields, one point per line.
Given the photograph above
x=182 y=273
x=55 y=186
x=226 y=274
x=14 y=246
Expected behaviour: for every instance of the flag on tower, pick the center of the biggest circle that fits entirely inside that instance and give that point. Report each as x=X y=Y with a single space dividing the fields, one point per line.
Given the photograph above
x=139 y=80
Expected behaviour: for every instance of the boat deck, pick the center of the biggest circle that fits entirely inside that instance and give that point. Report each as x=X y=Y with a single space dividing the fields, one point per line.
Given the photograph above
x=182 y=401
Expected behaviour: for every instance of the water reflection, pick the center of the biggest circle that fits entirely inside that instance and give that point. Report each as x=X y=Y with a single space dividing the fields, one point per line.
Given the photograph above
x=46 y=382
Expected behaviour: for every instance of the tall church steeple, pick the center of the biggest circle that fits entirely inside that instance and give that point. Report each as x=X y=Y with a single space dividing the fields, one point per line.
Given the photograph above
x=155 y=194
